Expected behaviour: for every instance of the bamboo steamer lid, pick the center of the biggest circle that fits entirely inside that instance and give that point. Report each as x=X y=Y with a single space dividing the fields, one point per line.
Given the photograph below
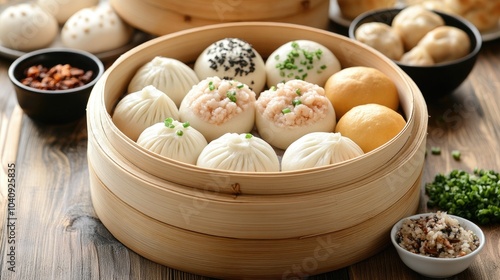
x=162 y=17
x=234 y=224
x=238 y=10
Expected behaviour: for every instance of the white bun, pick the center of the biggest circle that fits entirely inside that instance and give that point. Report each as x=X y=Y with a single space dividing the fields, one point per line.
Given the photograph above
x=169 y=75
x=240 y=123
x=446 y=43
x=27 y=27
x=208 y=109
x=413 y=22
x=315 y=69
x=381 y=37
x=62 y=10
x=239 y=152
x=315 y=113
x=232 y=59
x=173 y=140
x=319 y=149
x=141 y=109
x=96 y=29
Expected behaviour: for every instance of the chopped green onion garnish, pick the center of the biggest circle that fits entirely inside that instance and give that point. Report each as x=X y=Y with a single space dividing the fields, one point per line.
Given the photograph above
x=456 y=154
x=286 y=111
x=211 y=85
x=473 y=196
x=298 y=92
x=240 y=86
x=248 y=136
x=231 y=95
x=296 y=102
x=179 y=132
x=436 y=150
x=169 y=123
x=186 y=124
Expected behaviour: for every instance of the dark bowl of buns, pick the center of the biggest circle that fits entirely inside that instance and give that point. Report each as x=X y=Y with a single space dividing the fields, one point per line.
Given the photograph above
x=53 y=85
x=436 y=49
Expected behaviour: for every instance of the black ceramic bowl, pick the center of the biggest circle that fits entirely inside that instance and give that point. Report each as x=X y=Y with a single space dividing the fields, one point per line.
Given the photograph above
x=440 y=79
x=54 y=106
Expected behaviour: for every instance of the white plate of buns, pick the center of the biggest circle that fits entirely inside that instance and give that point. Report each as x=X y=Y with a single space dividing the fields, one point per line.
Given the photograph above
x=94 y=27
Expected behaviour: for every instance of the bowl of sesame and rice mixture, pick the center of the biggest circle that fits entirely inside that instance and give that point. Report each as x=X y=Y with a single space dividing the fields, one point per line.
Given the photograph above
x=437 y=245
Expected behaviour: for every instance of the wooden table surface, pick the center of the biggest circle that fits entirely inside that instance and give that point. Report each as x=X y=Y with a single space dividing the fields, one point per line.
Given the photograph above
x=58 y=235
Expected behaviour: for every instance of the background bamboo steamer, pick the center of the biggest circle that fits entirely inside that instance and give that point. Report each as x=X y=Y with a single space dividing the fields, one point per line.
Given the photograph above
x=185 y=221
x=164 y=17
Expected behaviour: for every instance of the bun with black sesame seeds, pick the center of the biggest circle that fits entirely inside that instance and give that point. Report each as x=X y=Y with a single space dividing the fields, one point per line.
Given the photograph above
x=232 y=59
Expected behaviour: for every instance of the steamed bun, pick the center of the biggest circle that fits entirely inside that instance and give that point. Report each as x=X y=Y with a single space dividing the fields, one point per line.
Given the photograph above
x=417 y=56
x=239 y=152
x=217 y=106
x=232 y=59
x=413 y=22
x=301 y=60
x=27 y=27
x=141 y=109
x=446 y=43
x=169 y=75
x=290 y=110
x=62 y=10
x=319 y=149
x=96 y=29
x=174 y=140
x=381 y=37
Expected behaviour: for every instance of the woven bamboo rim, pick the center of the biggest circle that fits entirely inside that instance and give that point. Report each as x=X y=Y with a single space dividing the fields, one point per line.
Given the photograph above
x=232 y=258
x=158 y=21
x=238 y=10
x=180 y=45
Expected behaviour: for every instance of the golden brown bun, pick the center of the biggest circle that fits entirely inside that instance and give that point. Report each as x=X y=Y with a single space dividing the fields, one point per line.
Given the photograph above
x=484 y=14
x=350 y=9
x=446 y=43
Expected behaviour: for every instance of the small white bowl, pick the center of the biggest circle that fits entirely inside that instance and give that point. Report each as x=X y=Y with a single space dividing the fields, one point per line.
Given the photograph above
x=438 y=267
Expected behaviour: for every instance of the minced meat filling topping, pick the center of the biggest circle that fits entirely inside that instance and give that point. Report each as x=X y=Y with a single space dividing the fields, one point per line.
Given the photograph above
x=438 y=235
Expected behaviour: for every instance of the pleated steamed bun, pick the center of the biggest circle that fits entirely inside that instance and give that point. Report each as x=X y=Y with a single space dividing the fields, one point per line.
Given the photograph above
x=174 y=140
x=319 y=149
x=169 y=75
x=141 y=109
x=239 y=152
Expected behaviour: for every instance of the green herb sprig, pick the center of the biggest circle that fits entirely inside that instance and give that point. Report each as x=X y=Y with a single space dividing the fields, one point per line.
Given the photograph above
x=473 y=196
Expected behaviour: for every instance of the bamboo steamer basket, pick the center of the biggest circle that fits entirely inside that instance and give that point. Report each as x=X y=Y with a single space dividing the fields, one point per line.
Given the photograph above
x=163 y=17
x=236 y=224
